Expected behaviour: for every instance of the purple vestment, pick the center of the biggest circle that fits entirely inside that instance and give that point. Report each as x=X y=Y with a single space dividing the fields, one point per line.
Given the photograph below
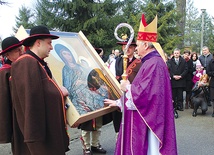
x=152 y=96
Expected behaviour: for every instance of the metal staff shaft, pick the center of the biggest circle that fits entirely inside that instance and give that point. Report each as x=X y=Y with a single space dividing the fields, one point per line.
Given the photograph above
x=124 y=75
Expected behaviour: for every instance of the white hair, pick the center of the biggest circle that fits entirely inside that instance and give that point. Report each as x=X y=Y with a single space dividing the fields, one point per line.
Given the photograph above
x=116 y=51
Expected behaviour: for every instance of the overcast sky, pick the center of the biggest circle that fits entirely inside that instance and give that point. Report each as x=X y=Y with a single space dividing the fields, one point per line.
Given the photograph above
x=8 y=13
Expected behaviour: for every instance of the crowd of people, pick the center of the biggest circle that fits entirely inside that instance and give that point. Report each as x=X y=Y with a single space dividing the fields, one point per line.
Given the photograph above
x=31 y=98
x=187 y=71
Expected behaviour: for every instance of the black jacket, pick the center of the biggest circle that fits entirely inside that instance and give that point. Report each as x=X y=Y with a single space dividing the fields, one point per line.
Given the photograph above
x=210 y=72
x=180 y=69
x=205 y=60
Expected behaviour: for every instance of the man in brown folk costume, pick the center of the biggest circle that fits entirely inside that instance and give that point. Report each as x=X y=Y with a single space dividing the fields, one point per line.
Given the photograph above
x=11 y=50
x=39 y=113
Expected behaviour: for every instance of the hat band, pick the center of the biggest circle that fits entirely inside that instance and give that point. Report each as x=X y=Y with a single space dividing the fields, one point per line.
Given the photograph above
x=10 y=48
x=147 y=36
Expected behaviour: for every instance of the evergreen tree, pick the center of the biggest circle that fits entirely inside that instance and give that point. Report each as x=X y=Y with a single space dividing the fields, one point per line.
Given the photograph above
x=45 y=14
x=97 y=19
x=208 y=32
x=25 y=18
x=129 y=12
x=130 y=8
x=181 y=11
x=192 y=28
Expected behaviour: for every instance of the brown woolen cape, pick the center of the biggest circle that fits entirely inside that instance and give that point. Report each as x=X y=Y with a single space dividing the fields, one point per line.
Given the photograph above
x=5 y=105
x=39 y=117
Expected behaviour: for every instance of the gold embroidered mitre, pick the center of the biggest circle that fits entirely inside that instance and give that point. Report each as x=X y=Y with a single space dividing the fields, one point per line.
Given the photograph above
x=148 y=32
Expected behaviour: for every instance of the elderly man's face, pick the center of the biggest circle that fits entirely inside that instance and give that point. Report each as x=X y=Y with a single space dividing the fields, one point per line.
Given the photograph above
x=205 y=51
x=176 y=53
x=141 y=48
x=116 y=52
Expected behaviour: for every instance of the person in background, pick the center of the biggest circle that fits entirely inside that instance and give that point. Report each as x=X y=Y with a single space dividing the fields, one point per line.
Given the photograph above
x=210 y=72
x=39 y=120
x=200 y=95
x=112 y=62
x=194 y=58
x=117 y=53
x=178 y=70
x=189 y=76
x=101 y=54
x=111 y=56
x=112 y=52
x=11 y=50
x=198 y=73
x=168 y=66
x=206 y=57
x=149 y=92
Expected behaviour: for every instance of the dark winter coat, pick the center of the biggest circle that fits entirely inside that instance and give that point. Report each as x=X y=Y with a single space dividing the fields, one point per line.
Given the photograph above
x=200 y=97
x=210 y=72
x=39 y=116
x=180 y=69
x=189 y=76
x=205 y=60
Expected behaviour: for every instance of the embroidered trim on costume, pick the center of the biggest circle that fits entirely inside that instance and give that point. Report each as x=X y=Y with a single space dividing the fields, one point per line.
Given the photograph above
x=132 y=66
x=5 y=66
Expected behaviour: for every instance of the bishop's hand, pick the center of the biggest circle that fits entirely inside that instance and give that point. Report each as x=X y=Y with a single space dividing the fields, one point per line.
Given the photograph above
x=124 y=84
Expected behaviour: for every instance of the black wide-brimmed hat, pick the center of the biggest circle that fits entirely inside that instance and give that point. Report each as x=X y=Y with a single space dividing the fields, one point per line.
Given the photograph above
x=98 y=50
x=126 y=39
x=9 y=44
x=38 y=32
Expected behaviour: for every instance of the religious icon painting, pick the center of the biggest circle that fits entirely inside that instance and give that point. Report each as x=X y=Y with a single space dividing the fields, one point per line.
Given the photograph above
x=76 y=65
